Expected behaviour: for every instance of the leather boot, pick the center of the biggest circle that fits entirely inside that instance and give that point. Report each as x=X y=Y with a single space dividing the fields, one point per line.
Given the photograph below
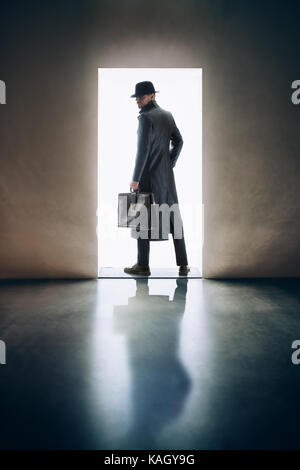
x=183 y=270
x=138 y=269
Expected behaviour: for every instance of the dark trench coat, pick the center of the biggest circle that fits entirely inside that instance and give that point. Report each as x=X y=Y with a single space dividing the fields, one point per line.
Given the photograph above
x=155 y=159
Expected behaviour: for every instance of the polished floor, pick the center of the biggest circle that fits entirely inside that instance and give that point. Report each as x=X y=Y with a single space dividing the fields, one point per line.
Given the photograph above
x=156 y=273
x=150 y=364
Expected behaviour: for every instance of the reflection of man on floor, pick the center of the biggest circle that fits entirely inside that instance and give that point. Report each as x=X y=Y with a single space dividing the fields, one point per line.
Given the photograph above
x=160 y=383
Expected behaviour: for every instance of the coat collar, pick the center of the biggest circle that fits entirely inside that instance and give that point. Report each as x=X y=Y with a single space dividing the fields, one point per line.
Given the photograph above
x=152 y=104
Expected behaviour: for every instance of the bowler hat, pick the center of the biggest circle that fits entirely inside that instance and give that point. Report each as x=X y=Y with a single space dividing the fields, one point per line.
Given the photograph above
x=144 y=88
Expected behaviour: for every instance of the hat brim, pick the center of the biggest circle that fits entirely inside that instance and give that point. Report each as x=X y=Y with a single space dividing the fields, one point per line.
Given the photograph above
x=134 y=96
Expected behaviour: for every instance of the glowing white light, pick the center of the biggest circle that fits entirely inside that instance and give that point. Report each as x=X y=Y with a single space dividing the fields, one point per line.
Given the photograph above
x=180 y=93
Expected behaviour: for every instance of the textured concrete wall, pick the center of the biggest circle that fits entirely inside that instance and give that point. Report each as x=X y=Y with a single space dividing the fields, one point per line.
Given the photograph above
x=48 y=144
x=251 y=164
x=49 y=55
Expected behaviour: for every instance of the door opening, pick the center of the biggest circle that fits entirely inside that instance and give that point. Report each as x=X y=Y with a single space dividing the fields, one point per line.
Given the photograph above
x=181 y=93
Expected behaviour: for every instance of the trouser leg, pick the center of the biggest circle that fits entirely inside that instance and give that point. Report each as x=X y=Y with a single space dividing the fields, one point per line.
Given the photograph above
x=180 y=249
x=143 y=246
x=179 y=245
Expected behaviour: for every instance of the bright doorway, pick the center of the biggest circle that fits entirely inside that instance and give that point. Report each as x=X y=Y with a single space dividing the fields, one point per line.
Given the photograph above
x=180 y=93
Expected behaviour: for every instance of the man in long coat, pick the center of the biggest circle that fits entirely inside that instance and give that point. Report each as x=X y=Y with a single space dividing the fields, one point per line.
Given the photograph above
x=153 y=172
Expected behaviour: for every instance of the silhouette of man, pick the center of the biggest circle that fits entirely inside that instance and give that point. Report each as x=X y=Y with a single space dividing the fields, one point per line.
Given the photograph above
x=153 y=172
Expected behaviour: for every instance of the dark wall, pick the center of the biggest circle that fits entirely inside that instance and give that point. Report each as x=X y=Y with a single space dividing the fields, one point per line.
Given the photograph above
x=49 y=56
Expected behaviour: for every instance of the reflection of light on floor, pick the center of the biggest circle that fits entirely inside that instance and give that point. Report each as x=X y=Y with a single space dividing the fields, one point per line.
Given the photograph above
x=125 y=319
x=156 y=273
x=118 y=125
x=113 y=364
x=109 y=362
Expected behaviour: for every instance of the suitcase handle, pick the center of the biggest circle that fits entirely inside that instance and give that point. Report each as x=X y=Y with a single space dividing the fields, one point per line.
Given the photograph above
x=137 y=191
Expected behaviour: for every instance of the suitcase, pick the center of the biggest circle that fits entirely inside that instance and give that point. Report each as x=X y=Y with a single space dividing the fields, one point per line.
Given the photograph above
x=134 y=209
